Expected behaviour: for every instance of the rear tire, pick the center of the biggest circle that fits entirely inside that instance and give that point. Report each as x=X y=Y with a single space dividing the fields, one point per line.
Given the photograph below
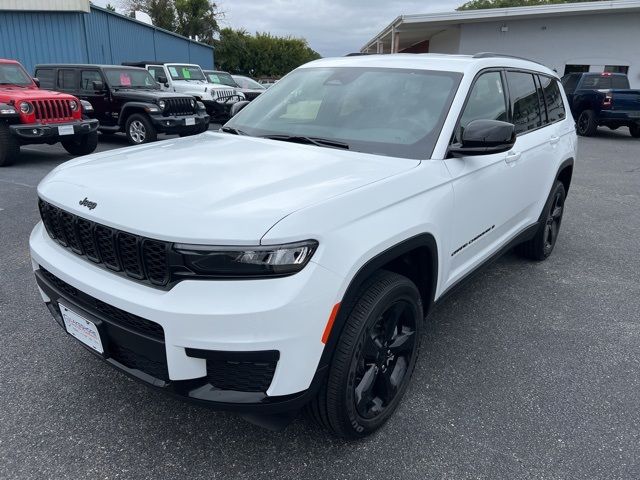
x=634 y=130
x=544 y=241
x=82 y=145
x=374 y=358
x=586 y=125
x=9 y=146
x=140 y=130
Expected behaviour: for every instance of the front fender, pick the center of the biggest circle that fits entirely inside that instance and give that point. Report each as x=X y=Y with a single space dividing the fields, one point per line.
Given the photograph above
x=130 y=107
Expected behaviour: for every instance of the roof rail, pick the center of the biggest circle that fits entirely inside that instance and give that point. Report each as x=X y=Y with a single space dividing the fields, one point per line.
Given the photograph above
x=503 y=55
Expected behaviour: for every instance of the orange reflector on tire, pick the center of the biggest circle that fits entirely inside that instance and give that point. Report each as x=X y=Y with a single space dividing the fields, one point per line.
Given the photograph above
x=332 y=318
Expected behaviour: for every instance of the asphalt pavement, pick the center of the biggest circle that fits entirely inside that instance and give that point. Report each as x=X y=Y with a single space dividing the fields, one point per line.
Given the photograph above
x=531 y=370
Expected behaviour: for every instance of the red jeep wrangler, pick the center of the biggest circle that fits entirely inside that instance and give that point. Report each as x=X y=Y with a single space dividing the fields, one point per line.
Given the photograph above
x=29 y=115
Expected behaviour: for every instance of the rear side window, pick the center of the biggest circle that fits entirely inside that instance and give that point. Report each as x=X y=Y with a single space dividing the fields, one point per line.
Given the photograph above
x=66 y=79
x=46 y=77
x=525 y=104
x=552 y=99
x=486 y=101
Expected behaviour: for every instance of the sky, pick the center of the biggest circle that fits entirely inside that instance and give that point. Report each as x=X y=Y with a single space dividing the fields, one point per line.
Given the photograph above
x=332 y=27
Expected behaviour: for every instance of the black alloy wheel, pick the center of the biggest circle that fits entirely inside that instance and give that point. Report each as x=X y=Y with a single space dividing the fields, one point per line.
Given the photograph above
x=552 y=227
x=383 y=363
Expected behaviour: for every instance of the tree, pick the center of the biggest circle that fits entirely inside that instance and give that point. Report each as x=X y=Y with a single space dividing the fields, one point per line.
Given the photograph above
x=262 y=54
x=162 y=12
x=110 y=7
x=197 y=18
x=482 y=4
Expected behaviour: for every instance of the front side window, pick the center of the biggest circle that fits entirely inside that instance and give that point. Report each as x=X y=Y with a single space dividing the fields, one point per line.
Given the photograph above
x=383 y=111
x=185 y=72
x=130 y=78
x=525 y=104
x=156 y=72
x=47 y=78
x=87 y=77
x=552 y=99
x=14 y=74
x=486 y=102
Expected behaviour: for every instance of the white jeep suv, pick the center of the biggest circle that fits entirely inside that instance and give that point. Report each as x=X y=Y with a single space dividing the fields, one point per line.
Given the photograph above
x=290 y=259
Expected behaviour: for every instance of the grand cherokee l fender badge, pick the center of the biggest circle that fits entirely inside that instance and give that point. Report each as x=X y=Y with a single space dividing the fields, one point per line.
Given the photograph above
x=87 y=203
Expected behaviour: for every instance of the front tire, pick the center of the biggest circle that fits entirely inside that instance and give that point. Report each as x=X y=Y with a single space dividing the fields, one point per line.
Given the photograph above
x=586 y=125
x=374 y=358
x=544 y=241
x=140 y=130
x=82 y=145
x=9 y=146
x=634 y=130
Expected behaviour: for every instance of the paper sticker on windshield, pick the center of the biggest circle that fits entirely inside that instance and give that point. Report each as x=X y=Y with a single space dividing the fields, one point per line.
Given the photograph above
x=173 y=72
x=125 y=79
x=186 y=73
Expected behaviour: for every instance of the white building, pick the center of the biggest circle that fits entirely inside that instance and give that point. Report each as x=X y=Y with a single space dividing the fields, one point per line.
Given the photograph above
x=569 y=37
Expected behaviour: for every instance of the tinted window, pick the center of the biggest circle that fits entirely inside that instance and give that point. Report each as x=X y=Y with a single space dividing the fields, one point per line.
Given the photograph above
x=486 y=101
x=87 y=78
x=552 y=98
x=619 y=81
x=46 y=77
x=525 y=106
x=66 y=79
x=570 y=82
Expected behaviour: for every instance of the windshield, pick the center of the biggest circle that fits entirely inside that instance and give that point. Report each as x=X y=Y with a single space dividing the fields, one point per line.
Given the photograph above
x=185 y=72
x=383 y=111
x=221 y=78
x=14 y=74
x=130 y=78
x=246 y=82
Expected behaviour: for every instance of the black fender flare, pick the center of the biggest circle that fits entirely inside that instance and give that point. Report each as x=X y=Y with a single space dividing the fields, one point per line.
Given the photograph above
x=8 y=116
x=137 y=107
x=372 y=265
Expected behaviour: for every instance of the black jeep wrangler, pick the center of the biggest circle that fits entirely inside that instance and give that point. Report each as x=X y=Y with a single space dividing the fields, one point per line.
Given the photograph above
x=127 y=99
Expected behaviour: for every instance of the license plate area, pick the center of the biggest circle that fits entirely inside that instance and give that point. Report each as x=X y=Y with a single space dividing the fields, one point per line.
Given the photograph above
x=189 y=121
x=65 y=130
x=82 y=329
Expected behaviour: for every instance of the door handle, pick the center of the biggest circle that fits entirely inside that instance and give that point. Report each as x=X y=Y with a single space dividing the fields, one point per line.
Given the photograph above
x=512 y=157
x=553 y=140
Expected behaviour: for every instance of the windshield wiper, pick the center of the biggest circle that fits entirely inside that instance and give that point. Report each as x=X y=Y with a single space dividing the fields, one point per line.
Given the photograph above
x=320 y=142
x=232 y=130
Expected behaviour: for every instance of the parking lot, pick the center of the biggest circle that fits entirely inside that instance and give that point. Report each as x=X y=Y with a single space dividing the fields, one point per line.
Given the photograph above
x=528 y=371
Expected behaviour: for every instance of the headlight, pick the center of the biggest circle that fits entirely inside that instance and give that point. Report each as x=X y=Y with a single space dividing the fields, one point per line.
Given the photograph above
x=258 y=261
x=162 y=104
x=26 y=108
x=73 y=105
x=193 y=103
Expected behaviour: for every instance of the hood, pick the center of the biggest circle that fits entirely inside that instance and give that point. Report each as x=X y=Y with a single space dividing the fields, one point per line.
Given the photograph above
x=213 y=188
x=146 y=95
x=30 y=93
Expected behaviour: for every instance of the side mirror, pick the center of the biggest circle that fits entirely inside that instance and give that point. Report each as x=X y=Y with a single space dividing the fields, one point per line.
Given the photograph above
x=236 y=107
x=484 y=137
x=97 y=86
x=163 y=80
x=36 y=81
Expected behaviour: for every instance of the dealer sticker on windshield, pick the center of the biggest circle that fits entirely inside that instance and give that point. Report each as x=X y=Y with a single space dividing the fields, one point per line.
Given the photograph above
x=82 y=329
x=65 y=130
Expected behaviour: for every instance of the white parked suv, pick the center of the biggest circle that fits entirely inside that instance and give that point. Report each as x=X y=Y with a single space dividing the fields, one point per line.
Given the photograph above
x=290 y=259
x=189 y=79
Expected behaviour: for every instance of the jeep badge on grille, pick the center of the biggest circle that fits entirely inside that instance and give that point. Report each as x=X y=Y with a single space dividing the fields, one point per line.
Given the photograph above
x=87 y=203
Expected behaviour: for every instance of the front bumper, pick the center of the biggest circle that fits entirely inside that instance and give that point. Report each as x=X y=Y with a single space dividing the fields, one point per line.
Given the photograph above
x=221 y=110
x=277 y=320
x=173 y=125
x=50 y=133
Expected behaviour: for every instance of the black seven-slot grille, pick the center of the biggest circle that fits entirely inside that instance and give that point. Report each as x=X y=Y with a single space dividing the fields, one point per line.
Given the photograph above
x=179 y=106
x=140 y=258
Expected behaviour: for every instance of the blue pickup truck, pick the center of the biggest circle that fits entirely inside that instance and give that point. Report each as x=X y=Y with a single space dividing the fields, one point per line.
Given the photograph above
x=602 y=99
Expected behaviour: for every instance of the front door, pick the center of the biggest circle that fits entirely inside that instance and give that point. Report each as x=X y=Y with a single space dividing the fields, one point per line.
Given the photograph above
x=484 y=186
x=99 y=99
